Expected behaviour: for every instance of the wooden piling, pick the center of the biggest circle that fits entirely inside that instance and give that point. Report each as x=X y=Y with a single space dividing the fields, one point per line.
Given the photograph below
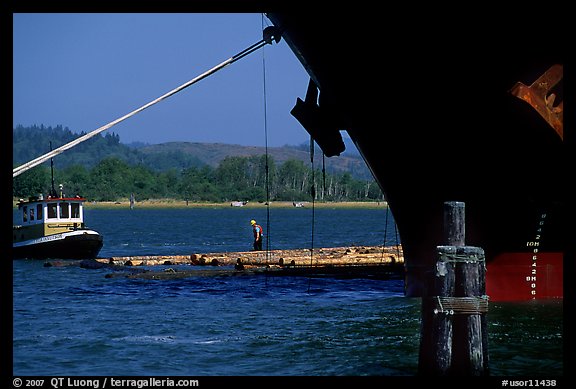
x=454 y=327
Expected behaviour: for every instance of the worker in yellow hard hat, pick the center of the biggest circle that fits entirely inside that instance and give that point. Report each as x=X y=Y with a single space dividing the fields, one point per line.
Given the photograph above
x=258 y=232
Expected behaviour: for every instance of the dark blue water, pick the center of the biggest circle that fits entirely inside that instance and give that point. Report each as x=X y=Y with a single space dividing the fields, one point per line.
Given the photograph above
x=74 y=321
x=188 y=230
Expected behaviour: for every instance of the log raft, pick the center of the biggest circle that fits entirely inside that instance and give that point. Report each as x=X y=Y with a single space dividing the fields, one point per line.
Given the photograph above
x=354 y=261
x=352 y=255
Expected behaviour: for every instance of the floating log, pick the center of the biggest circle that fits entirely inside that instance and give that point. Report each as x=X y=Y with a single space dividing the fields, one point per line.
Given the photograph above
x=364 y=261
x=328 y=271
x=352 y=255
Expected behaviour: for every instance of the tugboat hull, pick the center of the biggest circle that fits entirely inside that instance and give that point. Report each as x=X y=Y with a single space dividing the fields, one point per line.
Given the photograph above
x=82 y=244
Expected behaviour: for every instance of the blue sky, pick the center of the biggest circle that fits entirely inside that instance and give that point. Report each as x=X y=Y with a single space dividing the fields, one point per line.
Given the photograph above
x=85 y=70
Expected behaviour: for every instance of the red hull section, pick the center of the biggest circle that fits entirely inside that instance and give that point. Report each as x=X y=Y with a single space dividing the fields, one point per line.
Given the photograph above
x=525 y=276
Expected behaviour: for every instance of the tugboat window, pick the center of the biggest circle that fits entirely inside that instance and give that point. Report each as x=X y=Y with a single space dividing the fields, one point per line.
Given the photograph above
x=31 y=213
x=39 y=212
x=64 y=214
x=75 y=210
x=25 y=214
x=51 y=211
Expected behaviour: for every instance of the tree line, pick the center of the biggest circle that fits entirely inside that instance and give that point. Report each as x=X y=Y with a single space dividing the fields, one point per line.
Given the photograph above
x=253 y=178
x=33 y=141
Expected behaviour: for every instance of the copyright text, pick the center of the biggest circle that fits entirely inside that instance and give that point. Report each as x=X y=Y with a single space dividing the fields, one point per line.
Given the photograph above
x=103 y=382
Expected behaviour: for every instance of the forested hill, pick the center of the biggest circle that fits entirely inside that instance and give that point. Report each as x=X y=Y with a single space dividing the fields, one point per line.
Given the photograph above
x=34 y=141
x=31 y=142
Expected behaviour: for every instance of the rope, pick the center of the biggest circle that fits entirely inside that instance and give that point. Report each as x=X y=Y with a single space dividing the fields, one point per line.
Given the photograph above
x=397 y=238
x=313 y=193
x=386 y=234
x=265 y=40
x=471 y=258
x=323 y=175
x=267 y=180
x=474 y=305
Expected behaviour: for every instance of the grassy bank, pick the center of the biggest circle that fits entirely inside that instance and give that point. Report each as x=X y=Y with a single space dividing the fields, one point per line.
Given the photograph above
x=169 y=203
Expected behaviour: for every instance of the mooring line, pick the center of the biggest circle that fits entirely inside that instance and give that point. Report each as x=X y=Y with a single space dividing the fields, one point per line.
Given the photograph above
x=268 y=34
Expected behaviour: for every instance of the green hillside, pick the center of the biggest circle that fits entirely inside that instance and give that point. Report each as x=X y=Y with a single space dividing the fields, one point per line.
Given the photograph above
x=103 y=169
x=31 y=142
x=213 y=153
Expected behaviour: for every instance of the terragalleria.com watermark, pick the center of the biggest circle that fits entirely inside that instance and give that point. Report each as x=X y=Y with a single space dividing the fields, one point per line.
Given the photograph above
x=103 y=382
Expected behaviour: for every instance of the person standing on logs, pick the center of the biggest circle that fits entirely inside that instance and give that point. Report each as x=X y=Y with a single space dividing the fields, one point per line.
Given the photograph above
x=258 y=232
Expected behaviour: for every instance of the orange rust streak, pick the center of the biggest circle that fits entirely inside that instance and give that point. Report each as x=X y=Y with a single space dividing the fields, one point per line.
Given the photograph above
x=552 y=115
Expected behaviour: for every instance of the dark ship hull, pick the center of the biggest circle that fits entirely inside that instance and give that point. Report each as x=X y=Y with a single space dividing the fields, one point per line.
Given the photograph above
x=81 y=244
x=432 y=115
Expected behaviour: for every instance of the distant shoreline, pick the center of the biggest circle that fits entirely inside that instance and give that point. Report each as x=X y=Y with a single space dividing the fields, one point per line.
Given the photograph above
x=167 y=203
x=171 y=203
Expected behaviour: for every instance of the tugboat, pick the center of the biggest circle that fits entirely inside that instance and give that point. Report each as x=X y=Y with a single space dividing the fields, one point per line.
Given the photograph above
x=53 y=227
